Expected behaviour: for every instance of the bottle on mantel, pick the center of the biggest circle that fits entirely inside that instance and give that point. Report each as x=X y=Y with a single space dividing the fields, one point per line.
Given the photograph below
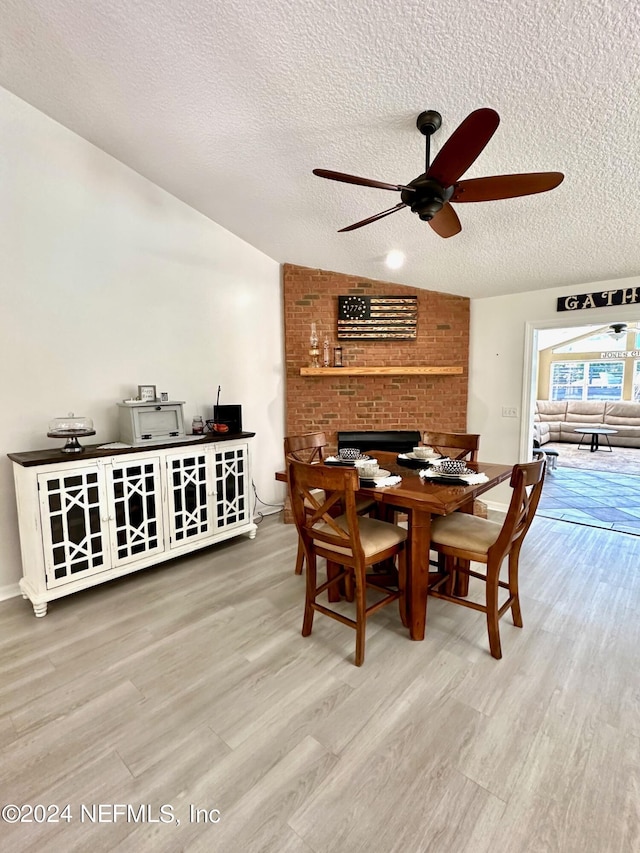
x=326 y=353
x=314 y=352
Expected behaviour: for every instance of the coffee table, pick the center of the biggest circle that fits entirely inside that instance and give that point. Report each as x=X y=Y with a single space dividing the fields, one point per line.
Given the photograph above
x=595 y=434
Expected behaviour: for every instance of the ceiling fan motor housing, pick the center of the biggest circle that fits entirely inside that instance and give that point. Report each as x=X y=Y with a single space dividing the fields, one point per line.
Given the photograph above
x=426 y=210
x=428 y=122
x=428 y=198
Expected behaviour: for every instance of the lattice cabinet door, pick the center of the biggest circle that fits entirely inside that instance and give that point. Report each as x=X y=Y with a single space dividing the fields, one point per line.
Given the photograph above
x=232 y=485
x=189 y=497
x=135 y=501
x=74 y=520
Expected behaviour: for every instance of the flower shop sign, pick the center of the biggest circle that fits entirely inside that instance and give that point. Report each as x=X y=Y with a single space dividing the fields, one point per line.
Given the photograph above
x=600 y=299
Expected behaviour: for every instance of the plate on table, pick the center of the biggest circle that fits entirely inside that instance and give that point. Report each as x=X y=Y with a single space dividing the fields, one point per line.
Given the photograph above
x=411 y=461
x=334 y=460
x=373 y=480
x=442 y=475
x=434 y=458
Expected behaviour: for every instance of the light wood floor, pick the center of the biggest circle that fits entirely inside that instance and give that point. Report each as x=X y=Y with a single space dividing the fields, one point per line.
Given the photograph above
x=190 y=684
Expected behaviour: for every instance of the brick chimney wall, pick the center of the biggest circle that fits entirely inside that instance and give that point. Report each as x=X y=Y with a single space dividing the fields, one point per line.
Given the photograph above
x=329 y=403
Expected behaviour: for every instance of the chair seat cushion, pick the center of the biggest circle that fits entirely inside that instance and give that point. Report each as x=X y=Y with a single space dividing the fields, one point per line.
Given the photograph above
x=375 y=536
x=465 y=531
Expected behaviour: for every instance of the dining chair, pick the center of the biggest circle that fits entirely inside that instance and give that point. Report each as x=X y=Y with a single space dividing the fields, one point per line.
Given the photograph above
x=455 y=445
x=350 y=544
x=311 y=447
x=462 y=537
x=463 y=445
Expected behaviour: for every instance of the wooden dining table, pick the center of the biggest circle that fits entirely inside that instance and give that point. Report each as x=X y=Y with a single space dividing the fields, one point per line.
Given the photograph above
x=421 y=499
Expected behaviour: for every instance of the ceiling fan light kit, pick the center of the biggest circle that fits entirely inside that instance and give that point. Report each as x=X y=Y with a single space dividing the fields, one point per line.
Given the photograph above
x=430 y=194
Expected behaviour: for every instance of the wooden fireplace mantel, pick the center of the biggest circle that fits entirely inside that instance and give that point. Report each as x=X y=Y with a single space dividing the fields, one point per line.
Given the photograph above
x=380 y=371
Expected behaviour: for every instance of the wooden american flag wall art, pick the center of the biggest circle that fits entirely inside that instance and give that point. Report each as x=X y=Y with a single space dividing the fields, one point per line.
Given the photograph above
x=375 y=318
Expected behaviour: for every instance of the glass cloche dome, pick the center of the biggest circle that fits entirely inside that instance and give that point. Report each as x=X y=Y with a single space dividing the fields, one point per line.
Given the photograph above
x=71 y=427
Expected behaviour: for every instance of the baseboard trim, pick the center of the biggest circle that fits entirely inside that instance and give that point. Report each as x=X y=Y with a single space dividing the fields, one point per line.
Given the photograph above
x=9 y=591
x=496 y=506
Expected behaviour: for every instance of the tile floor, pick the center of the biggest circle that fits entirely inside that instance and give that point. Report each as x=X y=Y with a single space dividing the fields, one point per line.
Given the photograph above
x=594 y=498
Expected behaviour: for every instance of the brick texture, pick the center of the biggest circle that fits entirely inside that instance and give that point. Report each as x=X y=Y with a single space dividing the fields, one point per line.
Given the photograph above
x=330 y=404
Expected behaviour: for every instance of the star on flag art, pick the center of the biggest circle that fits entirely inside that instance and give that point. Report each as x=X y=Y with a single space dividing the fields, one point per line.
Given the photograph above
x=362 y=318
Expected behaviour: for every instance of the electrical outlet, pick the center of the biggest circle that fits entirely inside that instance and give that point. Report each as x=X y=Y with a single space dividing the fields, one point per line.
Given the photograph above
x=509 y=412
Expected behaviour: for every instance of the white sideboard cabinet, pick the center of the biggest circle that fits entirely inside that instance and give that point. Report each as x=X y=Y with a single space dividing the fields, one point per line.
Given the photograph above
x=93 y=516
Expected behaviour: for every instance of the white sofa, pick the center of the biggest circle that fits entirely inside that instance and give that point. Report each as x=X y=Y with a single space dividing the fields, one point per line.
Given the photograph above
x=558 y=420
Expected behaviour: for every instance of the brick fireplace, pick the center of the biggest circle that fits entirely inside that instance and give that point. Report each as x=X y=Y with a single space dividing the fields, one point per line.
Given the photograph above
x=377 y=402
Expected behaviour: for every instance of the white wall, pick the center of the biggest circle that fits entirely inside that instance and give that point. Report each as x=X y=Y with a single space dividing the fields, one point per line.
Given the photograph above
x=107 y=282
x=502 y=351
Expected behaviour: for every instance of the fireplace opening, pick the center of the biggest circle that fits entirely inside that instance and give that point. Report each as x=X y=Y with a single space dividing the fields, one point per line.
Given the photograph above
x=392 y=440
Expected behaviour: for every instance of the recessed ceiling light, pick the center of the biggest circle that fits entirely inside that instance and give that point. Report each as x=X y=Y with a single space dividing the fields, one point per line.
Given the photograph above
x=395 y=259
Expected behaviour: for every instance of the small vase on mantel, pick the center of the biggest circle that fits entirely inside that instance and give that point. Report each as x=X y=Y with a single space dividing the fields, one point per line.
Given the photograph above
x=326 y=353
x=314 y=352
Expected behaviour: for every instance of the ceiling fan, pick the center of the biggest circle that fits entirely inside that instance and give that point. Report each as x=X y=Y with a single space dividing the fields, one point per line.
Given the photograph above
x=430 y=194
x=618 y=330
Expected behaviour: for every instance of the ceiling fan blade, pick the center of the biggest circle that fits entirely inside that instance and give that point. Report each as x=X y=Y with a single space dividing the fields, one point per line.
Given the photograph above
x=463 y=146
x=446 y=222
x=363 y=182
x=373 y=218
x=506 y=186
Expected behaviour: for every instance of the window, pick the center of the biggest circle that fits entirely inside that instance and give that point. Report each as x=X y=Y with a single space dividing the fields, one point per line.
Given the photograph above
x=589 y=380
x=567 y=380
x=636 y=381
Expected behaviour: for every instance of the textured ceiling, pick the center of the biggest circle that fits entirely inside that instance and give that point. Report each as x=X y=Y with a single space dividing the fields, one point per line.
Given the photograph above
x=230 y=105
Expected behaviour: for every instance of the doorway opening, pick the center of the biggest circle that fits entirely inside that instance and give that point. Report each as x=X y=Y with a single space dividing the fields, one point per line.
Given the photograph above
x=574 y=371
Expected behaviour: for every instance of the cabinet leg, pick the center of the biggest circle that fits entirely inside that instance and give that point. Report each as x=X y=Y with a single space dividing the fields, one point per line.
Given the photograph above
x=40 y=609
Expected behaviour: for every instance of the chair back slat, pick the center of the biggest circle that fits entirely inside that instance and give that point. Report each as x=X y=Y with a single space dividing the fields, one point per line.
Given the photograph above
x=309 y=447
x=338 y=487
x=317 y=510
x=456 y=445
x=526 y=481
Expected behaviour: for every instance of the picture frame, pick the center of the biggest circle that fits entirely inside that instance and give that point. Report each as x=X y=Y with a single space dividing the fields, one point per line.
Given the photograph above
x=147 y=393
x=164 y=396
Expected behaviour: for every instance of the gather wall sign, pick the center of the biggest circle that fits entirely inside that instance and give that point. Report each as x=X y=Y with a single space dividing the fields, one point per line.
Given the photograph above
x=599 y=299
